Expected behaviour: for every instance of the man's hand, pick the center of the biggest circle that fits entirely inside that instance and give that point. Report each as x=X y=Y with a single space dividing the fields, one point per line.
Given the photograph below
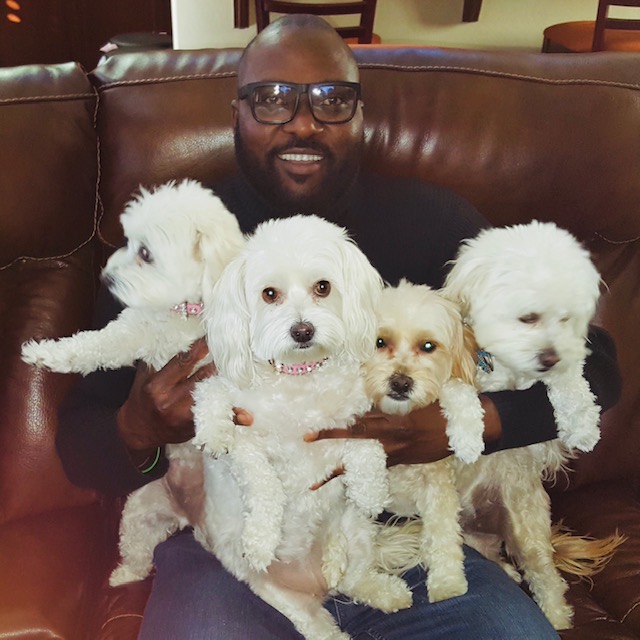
x=416 y=438
x=158 y=409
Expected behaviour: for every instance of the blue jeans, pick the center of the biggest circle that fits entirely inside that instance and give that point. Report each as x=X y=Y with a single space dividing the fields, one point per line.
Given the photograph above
x=194 y=598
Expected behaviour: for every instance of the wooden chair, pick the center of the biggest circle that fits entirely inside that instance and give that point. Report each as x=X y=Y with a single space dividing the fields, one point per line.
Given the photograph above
x=362 y=33
x=605 y=33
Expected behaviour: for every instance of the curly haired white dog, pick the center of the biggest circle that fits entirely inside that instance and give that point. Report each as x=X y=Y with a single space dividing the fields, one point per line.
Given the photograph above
x=291 y=322
x=529 y=293
x=422 y=356
x=179 y=238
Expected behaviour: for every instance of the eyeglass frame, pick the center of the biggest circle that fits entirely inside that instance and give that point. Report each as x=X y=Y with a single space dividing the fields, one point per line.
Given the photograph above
x=245 y=92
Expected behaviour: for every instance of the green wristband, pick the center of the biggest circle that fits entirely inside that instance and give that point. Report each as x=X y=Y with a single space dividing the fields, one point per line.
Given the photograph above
x=154 y=463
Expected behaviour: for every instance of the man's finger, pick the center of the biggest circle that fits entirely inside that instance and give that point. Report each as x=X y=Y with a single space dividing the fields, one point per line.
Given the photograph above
x=338 y=471
x=325 y=434
x=242 y=417
x=181 y=365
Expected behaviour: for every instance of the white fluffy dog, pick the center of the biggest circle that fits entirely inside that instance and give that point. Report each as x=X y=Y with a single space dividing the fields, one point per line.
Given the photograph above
x=179 y=238
x=291 y=322
x=529 y=293
x=422 y=356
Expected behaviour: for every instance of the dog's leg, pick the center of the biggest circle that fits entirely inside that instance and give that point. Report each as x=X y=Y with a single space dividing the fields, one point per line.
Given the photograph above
x=119 y=344
x=465 y=419
x=213 y=416
x=360 y=579
x=304 y=610
x=365 y=475
x=576 y=411
x=528 y=539
x=441 y=543
x=264 y=502
x=148 y=518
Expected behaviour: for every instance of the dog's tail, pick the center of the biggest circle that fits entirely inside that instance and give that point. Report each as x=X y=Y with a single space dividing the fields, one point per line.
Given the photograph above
x=582 y=556
x=398 y=545
x=398 y=548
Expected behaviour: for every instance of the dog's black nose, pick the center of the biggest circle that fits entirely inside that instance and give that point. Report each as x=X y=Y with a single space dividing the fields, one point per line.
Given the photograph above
x=400 y=384
x=302 y=332
x=548 y=358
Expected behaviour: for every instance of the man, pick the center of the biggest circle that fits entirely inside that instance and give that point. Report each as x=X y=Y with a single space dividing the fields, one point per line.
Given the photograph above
x=298 y=122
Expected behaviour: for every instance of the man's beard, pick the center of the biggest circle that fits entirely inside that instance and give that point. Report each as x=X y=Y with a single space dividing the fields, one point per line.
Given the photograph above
x=321 y=200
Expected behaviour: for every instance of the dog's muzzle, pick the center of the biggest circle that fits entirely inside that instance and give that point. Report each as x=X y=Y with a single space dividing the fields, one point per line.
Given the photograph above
x=400 y=386
x=548 y=359
x=302 y=333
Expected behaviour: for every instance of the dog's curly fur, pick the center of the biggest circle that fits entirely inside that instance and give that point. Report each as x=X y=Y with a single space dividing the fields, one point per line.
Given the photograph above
x=179 y=238
x=529 y=293
x=291 y=322
x=422 y=357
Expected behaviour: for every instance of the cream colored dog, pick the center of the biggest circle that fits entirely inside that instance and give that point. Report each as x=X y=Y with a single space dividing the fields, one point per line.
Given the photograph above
x=529 y=293
x=422 y=356
x=291 y=321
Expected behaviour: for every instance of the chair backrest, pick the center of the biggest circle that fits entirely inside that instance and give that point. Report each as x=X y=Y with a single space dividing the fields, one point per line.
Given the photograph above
x=366 y=9
x=604 y=21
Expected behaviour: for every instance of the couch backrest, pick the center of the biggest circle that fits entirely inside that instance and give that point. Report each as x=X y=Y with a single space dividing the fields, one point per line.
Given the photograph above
x=523 y=136
x=48 y=177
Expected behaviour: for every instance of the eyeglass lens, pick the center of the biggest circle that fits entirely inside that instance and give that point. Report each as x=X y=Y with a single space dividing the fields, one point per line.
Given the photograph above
x=278 y=103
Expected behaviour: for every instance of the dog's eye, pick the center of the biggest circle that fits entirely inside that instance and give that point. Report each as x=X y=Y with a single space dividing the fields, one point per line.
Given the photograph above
x=530 y=318
x=322 y=288
x=565 y=319
x=144 y=254
x=380 y=343
x=428 y=347
x=270 y=295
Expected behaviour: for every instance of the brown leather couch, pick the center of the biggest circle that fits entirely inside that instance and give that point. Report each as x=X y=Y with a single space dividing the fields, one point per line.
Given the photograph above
x=521 y=135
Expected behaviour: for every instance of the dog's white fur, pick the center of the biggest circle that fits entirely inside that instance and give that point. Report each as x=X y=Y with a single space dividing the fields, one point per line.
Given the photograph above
x=292 y=545
x=422 y=357
x=529 y=293
x=179 y=238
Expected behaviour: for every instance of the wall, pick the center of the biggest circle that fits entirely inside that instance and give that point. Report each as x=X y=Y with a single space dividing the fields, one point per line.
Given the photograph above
x=513 y=24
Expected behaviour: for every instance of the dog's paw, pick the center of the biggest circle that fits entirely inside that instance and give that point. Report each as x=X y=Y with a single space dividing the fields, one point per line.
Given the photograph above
x=216 y=440
x=385 y=592
x=446 y=586
x=39 y=354
x=124 y=574
x=581 y=439
x=560 y=615
x=466 y=448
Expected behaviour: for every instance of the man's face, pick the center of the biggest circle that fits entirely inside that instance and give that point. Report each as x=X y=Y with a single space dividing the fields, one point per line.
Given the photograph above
x=303 y=165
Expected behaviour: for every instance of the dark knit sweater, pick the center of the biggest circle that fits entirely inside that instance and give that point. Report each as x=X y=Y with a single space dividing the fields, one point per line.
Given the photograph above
x=407 y=229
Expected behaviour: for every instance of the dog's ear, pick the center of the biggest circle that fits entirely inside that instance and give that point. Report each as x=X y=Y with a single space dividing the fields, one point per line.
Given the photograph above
x=227 y=324
x=467 y=274
x=218 y=241
x=464 y=354
x=360 y=286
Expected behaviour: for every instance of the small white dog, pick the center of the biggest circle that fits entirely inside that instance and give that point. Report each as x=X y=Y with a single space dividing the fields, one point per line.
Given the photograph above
x=179 y=238
x=529 y=293
x=422 y=356
x=291 y=322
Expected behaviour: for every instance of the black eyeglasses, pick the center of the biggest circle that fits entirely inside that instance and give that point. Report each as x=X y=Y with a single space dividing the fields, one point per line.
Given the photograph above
x=278 y=102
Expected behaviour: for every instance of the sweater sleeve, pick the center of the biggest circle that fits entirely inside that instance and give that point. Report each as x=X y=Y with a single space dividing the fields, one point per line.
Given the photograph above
x=92 y=453
x=527 y=416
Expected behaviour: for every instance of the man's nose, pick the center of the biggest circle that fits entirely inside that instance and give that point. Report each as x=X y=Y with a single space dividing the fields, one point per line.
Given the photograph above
x=303 y=124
